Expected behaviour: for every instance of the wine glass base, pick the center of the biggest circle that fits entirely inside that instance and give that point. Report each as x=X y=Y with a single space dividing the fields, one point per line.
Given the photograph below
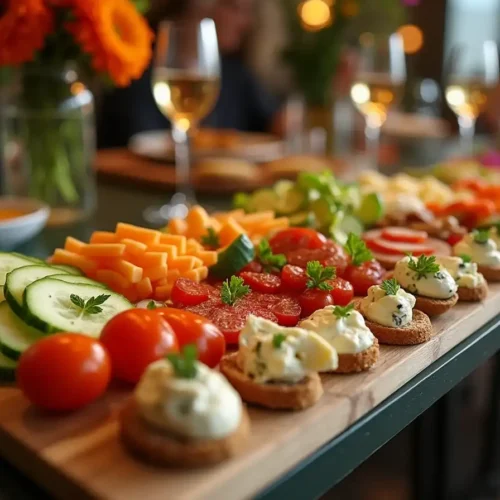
x=177 y=207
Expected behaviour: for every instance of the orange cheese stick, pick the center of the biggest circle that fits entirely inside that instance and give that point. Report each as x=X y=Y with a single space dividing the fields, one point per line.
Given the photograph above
x=103 y=250
x=170 y=250
x=103 y=237
x=141 y=234
x=111 y=278
x=144 y=289
x=163 y=292
x=208 y=257
x=253 y=221
x=176 y=240
x=152 y=259
x=230 y=231
x=192 y=246
x=155 y=273
x=197 y=221
x=177 y=226
x=173 y=274
x=73 y=259
x=132 y=273
x=271 y=225
x=185 y=263
x=133 y=247
x=74 y=245
x=198 y=274
x=223 y=217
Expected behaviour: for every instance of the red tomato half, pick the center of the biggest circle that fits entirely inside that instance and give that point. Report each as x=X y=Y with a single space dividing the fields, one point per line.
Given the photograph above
x=287 y=311
x=331 y=255
x=262 y=282
x=135 y=339
x=252 y=267
x=189 y=293
x=191 y=328
x=64 y=372
x=293 y=278
x=313 y=299
x=296 y=237
x=364 y=276
x=342 y=291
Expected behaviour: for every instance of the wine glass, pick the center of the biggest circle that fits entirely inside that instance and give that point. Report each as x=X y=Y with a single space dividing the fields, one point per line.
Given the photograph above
x=378 y=84
x=186 y=83
x=472 y=72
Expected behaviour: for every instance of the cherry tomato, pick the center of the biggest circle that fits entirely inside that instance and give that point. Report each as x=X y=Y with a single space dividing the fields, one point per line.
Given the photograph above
x=364 y=276
x=64 y=372
x=313 y=299
x=135 y=339
x=331 y=255
x=296 y=237
x=252 y=267
x=293 y=278
x=342 y=291
x=454 y=238
x=287 y=311
x=188 y=292
x=262 y=282
x=191 y=328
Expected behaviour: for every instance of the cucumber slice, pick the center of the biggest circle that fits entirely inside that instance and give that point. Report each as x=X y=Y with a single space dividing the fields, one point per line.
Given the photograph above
x=9 y=262
x=234 y=258
x=2 y=296
x=290 y=201
x=15 y=335
x=34 y=260
x=324 y=211
x=371 y=209
x=17 y=281
x=302 y=219
x=263 y=199
x=241 y=200
x=282 y=187
x=50 y=309
x=7 y=369
x=80 y=280
x=68 y=269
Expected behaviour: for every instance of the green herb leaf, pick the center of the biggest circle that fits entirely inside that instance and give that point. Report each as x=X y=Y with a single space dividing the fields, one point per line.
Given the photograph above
x=390 y=287
x=151 y=305
x=211 y=239
x=343 y=312
x=278 y=339
x=267 y=258
x=357 y=249
x=184 y=364
x=233 y=289
x=423 y=265
x=481 y=236
x=319 y=275
x=91 y=306
x=465 y=258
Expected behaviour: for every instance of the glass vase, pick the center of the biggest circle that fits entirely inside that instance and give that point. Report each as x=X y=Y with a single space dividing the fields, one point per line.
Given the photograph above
x=47 y=142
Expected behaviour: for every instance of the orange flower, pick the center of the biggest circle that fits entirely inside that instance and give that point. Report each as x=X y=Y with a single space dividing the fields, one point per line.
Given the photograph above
x=115 y=35
x=24 y=25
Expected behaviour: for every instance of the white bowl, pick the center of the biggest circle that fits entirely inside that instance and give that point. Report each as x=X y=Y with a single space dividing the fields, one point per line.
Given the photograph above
x=14 y=232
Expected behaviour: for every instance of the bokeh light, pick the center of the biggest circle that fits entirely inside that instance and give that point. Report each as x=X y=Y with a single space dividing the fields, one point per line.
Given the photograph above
x=413 y=38
x=315 y=14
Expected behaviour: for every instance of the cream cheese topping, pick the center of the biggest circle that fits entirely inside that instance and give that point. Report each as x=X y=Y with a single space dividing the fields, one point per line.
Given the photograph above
x=394 y=311
x=464 y=273
x=404 y=204
x=347 y=335
x=438 y=285
x=484 y=254
x=272 y=353
x=204 y=407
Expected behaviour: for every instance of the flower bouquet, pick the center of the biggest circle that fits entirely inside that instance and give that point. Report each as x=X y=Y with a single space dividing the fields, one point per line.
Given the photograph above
x=47 y=49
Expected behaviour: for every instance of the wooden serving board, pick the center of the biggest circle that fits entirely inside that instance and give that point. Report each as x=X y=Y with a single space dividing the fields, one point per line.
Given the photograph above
x=80 y=456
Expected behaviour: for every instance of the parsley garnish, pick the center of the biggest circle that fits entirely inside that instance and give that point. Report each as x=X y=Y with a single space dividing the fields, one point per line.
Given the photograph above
x=481 y=236
x=233 y=289
x=423 y=265
x=151 y=305
x=465 y=258
x=91 y=306
x=211 y=239
x=390 y=287
x=318 y=275
x=357 y=249
x=268 y=259
x=278 y=339
x=184 y=364
x=343 y=312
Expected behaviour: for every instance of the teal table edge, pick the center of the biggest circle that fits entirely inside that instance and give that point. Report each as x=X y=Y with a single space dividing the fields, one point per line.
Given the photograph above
x=335 y=460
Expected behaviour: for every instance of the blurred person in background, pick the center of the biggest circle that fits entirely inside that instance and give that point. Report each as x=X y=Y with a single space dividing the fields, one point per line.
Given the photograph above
x=243 y=103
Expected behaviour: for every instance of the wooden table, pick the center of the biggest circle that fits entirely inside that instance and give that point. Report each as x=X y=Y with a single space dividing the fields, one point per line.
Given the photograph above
x=291 y=455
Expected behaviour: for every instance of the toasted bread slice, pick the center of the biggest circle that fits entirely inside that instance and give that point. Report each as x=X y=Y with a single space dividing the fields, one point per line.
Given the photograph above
x=277 y=396
x=360 y=361
x=490 y=273
x=164 y=449
x=435 y=307
x=473 y=294
x=416 y=332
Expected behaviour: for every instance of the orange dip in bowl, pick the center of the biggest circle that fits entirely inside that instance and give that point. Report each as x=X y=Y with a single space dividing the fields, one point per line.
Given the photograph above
x=11 y=213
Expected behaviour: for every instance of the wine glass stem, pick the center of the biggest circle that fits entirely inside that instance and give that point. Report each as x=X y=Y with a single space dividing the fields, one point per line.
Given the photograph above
x=467 y=130
x=372 y=137
x=183 y=163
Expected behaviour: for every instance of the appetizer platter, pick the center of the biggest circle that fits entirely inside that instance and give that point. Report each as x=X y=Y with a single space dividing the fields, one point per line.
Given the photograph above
x=206 y=359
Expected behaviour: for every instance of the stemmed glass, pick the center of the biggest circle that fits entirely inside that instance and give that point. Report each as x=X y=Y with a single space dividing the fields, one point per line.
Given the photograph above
x=378 y=84
x=186 y=83
x=472 y=71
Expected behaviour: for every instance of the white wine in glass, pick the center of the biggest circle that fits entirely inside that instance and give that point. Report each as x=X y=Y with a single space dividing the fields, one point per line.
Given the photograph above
x=186 y=84
x=472 y=73
x=378 y=85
